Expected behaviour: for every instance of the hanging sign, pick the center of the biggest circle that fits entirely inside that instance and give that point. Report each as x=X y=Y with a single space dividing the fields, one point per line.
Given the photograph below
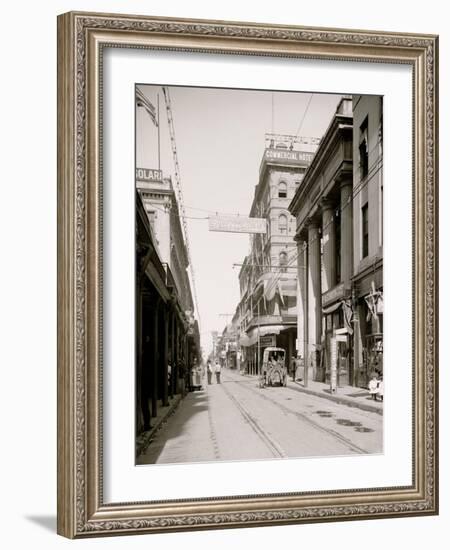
x=237 y=224
x=267 y=341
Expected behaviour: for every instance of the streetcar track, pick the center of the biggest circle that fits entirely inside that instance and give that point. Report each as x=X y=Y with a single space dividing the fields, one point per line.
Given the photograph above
x=212 y=431
x=304 y=417
x=268 y=440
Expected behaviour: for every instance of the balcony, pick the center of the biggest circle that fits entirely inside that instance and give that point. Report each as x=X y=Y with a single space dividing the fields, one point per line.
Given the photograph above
x=271 y=321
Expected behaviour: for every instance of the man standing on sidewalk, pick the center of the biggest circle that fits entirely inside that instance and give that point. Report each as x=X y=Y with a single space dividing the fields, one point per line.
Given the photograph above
x=217 y=370
x=209 y=371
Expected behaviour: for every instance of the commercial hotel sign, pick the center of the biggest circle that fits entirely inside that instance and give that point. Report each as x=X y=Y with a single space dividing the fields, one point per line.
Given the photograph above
x=282 y=154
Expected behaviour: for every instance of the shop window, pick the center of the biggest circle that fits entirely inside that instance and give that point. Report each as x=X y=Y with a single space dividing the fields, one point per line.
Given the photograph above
x=363 y=150
x=283 y=261
x=282 y=190
x=282 y=224
x=365 y=229
x=151 y=218
x=337 y=227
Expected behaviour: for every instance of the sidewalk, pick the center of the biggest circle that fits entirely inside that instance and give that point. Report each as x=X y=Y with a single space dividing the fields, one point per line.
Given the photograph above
x=143 y=440
x=346 y=395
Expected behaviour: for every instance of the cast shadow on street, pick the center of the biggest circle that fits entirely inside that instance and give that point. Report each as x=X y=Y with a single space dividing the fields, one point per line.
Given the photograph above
x=196 y=403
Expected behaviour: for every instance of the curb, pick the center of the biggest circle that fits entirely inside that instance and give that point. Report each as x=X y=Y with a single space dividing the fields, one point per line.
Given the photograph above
x=144 y=439
x=342 y=400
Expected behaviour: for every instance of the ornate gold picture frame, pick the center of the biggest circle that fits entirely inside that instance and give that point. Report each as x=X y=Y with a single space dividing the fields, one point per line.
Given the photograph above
x=82 y=40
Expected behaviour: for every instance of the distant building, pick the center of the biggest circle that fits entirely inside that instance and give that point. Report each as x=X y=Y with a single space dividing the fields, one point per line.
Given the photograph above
x=267 y=312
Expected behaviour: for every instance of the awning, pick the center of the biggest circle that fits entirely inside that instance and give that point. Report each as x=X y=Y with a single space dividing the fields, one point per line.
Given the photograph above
x=348 y=313
x=332 y=308
x=252 y=338
x=267 y=329
x=244 y=340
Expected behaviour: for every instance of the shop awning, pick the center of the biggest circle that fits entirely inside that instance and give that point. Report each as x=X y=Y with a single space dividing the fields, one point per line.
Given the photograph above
x=244 y=340
x=348 y=313
x=265 y=330
x=331 y=309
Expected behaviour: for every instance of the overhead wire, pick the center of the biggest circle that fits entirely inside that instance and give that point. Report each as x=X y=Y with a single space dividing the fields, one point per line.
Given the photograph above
x=179 y=191
x=304 y=115
x=378 y=164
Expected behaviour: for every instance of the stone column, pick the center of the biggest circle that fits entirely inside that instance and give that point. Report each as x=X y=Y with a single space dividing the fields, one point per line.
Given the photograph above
x=165 y=358
x=177 y=356
x=329 y=244
x=155 y=359
x=314 y=295
x=302 y=302
x=172 y=353
x=187 y=362
x=140 y=394
x=346 y=251
x=357 y=340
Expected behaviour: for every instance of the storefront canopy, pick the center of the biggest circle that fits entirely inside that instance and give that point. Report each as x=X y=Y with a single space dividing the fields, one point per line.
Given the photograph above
x=252 y=338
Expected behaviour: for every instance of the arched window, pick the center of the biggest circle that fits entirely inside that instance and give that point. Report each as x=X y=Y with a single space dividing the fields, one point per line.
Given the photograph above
x=282 y=190
x=282 y=223
x=283 y=260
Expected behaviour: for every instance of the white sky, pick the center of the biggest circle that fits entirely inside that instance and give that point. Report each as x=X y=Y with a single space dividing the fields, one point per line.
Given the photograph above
x=220 y=142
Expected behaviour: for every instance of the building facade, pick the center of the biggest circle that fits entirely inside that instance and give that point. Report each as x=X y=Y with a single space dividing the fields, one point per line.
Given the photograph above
x=167 y=339
x=338 y=242
x=267 y=312
x=368 y=236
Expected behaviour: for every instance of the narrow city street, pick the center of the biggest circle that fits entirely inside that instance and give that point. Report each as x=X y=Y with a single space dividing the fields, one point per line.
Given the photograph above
x=237 y=420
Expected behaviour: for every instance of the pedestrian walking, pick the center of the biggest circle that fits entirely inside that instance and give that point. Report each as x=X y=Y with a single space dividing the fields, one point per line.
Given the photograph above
x=209 y=371
x=381 y=388
x=217 y=370
x=293 y=367
x=373 y=386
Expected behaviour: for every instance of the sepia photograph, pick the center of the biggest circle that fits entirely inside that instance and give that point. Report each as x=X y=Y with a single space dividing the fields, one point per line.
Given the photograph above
x=247 y=319
x=259 y=274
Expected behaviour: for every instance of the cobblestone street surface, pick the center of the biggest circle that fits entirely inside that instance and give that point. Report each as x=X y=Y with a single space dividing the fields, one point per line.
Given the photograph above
x=237 y=420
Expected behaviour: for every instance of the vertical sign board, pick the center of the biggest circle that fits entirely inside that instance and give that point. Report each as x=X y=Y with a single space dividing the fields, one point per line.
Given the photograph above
x=333 y=373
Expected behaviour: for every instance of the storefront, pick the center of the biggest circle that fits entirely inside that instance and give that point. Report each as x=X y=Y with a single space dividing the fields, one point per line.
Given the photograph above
x=254 y=343
x=337 y=323
x=369 y=328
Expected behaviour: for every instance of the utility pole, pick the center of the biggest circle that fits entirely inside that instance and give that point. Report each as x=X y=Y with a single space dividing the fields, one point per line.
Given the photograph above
x=227 y=315
x=259 y=344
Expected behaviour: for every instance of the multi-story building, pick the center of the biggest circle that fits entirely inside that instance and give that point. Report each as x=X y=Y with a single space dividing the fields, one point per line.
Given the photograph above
x=368 y=235
x=268 y=278
x=161 y=205
x=324 y=235
x=167 y=331
x=339 y=245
